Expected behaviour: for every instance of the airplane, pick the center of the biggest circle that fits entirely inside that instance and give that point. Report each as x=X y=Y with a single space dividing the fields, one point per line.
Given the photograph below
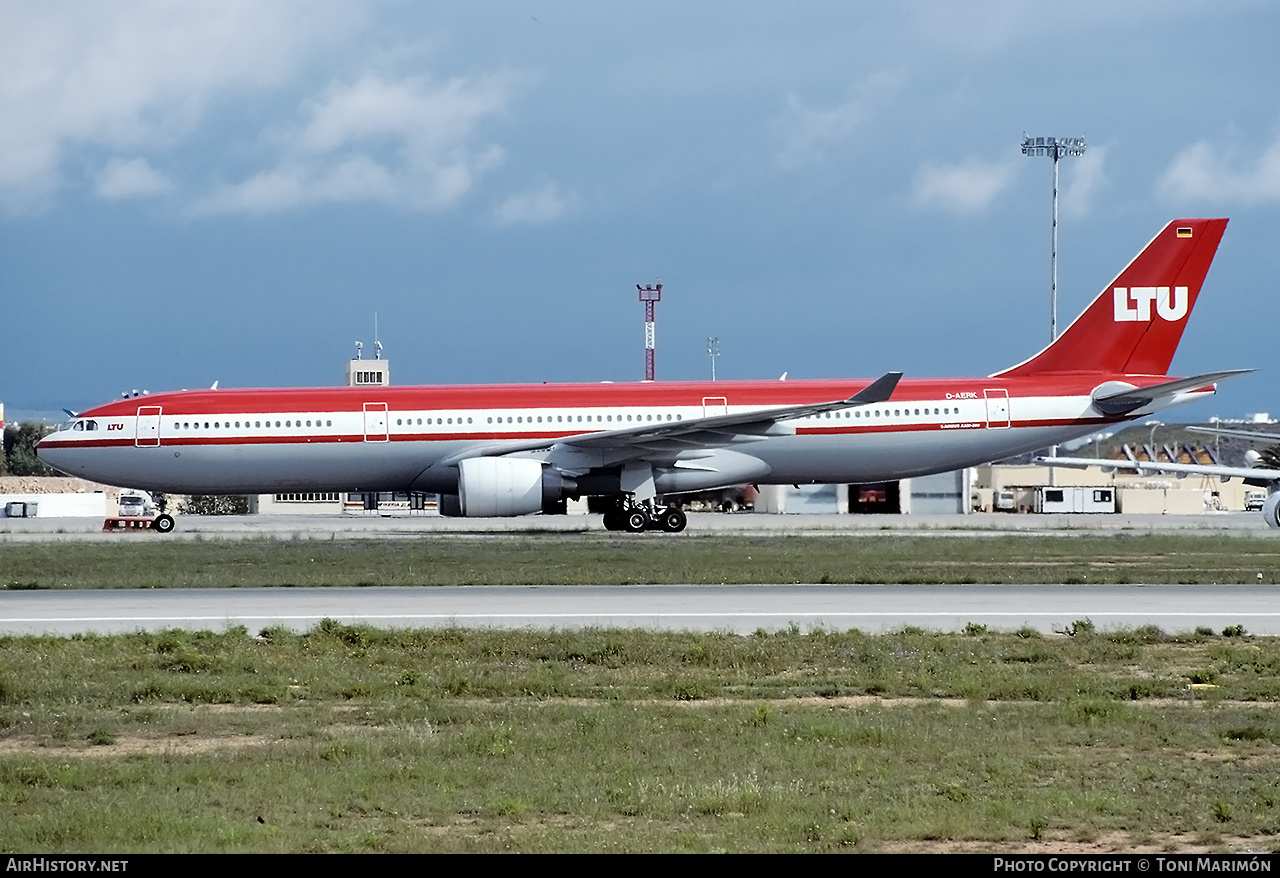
x=509 y=450
x=1251 y=473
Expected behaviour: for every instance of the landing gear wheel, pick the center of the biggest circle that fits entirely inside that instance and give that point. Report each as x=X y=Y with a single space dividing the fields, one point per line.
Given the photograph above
x=673 y=520
x=636 y=521
x=163 y=524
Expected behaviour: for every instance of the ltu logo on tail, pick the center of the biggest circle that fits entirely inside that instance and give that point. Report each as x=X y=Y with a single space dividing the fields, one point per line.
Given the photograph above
x=1133 y=304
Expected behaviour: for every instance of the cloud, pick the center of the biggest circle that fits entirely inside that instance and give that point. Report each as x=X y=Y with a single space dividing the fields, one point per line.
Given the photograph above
x=410 y=142
x=1086 y=179
x=131 y=178
x=543 y=203
x=807 y=134
x=967 y=187
x=136 y=76
x=1201 y=173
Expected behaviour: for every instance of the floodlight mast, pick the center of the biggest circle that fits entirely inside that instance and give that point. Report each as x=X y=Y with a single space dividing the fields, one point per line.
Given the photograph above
x=1055 y=148
x=713 y=351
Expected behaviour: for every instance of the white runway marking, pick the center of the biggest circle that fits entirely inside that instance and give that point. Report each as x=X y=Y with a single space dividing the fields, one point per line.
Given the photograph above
x=681 y=607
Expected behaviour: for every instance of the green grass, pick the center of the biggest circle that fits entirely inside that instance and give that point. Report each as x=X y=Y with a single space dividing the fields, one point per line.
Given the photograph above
x=349 y=738
x=652 y=558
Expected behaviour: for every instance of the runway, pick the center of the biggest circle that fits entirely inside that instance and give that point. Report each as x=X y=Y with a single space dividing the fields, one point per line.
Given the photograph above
x=742 y=609
x=704 y=524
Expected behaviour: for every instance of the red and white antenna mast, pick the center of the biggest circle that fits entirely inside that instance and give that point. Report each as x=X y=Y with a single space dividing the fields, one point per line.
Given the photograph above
x=649 y=295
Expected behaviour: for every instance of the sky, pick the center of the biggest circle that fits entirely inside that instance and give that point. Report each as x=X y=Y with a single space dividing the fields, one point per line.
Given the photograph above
x=231 y=191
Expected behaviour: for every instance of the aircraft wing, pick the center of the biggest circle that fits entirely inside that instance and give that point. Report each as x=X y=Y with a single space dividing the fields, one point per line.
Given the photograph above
x=670 y=437
x=1181 y=470
x=1255 y=435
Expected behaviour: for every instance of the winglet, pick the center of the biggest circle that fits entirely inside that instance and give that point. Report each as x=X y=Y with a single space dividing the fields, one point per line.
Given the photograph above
x=877 y=391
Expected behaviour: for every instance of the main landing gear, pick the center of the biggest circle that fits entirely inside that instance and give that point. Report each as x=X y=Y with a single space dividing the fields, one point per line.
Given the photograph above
x=636 y=517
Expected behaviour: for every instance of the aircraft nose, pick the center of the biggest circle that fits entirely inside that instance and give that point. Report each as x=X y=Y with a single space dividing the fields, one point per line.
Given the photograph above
x=47 y=453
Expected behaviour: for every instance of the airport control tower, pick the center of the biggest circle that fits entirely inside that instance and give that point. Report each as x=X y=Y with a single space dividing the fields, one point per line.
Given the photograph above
x=368 y=373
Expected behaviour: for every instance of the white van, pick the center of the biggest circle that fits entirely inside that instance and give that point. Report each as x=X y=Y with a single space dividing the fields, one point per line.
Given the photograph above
x=136 y=504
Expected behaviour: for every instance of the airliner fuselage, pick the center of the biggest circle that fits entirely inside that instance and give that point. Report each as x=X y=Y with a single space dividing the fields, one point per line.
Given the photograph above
x=513 y=449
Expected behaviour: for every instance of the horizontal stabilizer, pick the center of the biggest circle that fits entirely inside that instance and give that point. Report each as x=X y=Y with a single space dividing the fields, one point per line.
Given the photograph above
x=1125 y=401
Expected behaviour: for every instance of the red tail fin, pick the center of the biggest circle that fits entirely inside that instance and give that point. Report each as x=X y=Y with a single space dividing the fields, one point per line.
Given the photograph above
x=1135 y=325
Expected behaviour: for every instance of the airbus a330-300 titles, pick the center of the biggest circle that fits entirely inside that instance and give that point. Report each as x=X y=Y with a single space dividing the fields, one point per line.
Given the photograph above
x=507 y=450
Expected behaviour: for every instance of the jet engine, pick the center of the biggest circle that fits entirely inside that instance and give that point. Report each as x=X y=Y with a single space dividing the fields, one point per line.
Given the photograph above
x=491 y=487
x=1271 y=509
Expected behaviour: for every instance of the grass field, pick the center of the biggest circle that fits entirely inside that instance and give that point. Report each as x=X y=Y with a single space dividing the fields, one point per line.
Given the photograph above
x=357 y=739
x=576 y=559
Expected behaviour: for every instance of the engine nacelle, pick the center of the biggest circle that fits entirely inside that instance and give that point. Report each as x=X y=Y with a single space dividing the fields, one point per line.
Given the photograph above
x=1271 y=509
x=500 y=487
